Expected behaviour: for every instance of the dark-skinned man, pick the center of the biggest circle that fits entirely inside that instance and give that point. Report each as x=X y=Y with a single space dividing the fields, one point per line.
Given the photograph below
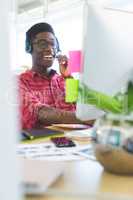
x=41 y=89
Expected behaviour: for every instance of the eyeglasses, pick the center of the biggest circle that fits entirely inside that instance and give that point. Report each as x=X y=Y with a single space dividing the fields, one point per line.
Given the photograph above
x=43 y=44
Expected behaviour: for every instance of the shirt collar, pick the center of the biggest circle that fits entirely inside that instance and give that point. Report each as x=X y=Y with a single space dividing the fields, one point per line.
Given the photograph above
x=36 y=74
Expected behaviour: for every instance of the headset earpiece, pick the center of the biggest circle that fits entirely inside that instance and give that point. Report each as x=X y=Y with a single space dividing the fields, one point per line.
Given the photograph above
x=28 y=47
x=57 y=45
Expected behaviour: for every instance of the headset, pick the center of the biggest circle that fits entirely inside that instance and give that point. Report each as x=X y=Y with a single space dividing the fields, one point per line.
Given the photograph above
x=29 y=48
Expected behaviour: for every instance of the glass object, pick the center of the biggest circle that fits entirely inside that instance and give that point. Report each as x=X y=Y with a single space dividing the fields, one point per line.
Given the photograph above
x=113 y=143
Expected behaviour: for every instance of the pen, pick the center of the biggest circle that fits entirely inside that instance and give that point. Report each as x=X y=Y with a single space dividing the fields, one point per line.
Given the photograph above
x=27 y=135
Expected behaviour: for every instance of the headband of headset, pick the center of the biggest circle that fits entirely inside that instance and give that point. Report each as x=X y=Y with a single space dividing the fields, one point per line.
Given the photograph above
x=34 y=30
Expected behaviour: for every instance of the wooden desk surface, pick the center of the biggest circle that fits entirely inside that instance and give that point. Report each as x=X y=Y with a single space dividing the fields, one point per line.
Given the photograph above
x=85 y=178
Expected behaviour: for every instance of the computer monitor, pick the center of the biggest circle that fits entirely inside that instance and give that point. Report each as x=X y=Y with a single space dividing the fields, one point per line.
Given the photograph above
x=107 y=53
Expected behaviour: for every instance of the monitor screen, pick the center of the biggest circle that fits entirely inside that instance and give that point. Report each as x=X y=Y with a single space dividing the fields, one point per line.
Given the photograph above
x=107 y=54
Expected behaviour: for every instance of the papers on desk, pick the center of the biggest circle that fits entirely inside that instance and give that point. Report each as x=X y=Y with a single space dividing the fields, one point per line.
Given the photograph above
x=72 y=126
x=47 y=151
x=82 y=135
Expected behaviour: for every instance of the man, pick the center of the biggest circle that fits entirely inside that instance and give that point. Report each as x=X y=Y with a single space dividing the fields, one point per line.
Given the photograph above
x=42 y=90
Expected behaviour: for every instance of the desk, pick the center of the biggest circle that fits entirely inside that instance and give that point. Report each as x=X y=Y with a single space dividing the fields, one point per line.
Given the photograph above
x=85 y=178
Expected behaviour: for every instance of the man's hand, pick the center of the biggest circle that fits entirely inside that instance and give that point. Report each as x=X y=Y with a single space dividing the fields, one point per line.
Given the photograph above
x=63 y=65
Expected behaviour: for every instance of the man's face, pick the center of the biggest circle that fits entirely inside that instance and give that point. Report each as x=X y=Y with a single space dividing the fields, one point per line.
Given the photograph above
x=44 y=48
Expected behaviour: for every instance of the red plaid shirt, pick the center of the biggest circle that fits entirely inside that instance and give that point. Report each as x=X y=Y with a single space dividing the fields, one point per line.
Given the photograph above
x=36 y=90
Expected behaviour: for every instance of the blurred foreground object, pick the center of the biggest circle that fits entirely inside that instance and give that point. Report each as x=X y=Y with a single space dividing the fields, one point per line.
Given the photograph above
x=113 y=135
x=38 y=175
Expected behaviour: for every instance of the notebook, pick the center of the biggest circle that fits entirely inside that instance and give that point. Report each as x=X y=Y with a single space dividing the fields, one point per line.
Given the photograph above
x=39 y=133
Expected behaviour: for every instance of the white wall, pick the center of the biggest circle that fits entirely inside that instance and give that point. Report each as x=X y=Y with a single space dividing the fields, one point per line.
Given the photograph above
x=67 y=22
x=66 y=18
